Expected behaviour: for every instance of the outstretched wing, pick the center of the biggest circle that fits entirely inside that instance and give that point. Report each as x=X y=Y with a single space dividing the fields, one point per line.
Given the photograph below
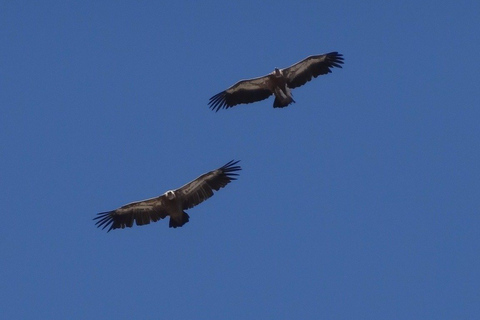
x=201 y=189
x=142 y=212
x=302 y=72
x=244 y=91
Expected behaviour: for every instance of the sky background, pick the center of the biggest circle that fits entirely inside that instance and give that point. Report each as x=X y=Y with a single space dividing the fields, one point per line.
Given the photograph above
x=360 y=201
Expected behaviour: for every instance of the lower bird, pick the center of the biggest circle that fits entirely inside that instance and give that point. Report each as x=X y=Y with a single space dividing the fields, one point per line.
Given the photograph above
x=172 y=203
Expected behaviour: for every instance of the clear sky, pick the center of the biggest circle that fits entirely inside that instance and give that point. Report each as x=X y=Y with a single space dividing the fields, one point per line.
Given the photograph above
x=360 y=201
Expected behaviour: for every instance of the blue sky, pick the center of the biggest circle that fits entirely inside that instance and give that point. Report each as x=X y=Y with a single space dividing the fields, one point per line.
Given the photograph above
x=360 y=201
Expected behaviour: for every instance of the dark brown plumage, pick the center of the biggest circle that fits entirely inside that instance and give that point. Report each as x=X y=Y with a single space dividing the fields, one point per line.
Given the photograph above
x=278 y=83
x=172 y=203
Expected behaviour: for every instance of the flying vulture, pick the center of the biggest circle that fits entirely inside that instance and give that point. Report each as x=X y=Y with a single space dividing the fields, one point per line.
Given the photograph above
x=278 y=83
x=172 y=203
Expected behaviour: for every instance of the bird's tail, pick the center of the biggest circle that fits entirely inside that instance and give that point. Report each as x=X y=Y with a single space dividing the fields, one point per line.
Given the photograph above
x=175 y=223
x=282 y=103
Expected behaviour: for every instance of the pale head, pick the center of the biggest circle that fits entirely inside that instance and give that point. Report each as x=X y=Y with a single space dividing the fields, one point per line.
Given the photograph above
x=170 y=194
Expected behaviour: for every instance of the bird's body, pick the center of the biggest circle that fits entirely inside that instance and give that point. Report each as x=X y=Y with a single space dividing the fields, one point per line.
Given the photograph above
x=172 y=203
x=283 y=94
x=279 y=83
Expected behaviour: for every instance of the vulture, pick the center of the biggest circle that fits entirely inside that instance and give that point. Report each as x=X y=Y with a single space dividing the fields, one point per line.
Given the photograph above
x=278 y=83
x=172 y=203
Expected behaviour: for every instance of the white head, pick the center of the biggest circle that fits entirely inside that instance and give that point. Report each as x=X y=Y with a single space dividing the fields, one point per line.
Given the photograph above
x=170 y=195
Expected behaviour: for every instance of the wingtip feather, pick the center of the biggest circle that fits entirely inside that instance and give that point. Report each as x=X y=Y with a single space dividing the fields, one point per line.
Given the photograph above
x=218 y=101
x=104 y=220
x=231 y=168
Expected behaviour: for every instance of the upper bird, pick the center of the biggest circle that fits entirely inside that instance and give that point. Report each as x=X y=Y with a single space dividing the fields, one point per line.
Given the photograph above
x=172 y=203
x=279 y=83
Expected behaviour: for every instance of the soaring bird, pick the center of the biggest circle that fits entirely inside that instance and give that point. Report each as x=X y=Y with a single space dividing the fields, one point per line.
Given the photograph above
x=172 y=203
x=278 y=83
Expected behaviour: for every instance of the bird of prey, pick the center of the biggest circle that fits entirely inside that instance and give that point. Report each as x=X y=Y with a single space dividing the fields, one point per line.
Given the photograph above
x=172 y=203
x=278 y=83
